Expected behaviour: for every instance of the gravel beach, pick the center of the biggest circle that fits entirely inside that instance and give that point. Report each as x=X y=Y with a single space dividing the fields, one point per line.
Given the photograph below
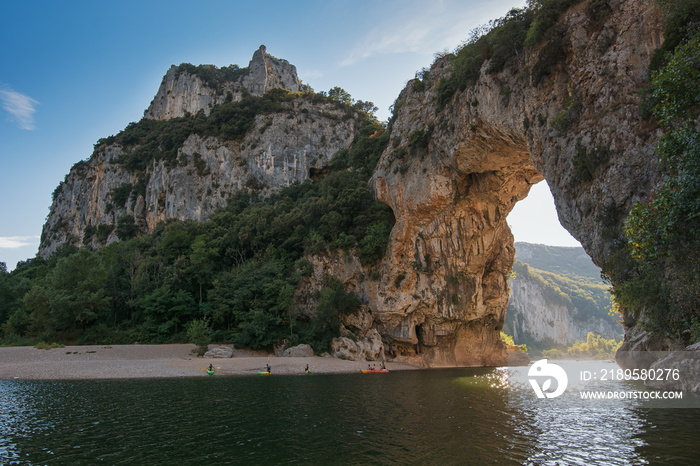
x=151 y=361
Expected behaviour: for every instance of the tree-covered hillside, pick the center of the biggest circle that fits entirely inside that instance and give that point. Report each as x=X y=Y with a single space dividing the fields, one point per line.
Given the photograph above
x=570 y=262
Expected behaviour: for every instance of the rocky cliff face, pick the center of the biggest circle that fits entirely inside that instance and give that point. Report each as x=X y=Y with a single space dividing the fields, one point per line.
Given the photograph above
x=184 y=91
x=280 y=148
x=453 y=175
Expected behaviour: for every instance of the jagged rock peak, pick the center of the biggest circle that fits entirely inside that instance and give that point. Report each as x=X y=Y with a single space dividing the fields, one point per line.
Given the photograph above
x=188 y=89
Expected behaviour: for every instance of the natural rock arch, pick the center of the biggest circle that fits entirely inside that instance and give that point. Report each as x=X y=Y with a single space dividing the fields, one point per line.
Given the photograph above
x=452 y=176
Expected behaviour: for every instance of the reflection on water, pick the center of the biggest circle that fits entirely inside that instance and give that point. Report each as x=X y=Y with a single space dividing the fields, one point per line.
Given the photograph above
x=416 y=417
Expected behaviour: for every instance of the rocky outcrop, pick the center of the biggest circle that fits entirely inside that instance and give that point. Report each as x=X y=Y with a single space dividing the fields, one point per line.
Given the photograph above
x=453 y=174
x=368 y=348
x=679 y=370
x=221 y=352
x=299 y=351
x=183 y=91
x=516 y=356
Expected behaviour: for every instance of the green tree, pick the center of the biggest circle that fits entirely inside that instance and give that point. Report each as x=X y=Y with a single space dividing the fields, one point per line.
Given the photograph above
x=202 y=260
x=340 y=95
x=198 y=332
x=7 y=296
x=333 y=302
x=167 y=312
x=72 y=296
x=126 y=227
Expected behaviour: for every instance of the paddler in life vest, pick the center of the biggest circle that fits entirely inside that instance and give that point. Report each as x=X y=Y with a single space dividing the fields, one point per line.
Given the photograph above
x=306 y=369
x=211 y=368
x=268 y=368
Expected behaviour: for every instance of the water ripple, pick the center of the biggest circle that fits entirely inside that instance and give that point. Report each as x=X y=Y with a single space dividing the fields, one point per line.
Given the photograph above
x=417 y=417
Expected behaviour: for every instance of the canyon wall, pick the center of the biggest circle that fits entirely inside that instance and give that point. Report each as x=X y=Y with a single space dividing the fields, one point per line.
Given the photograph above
x=536 y=319
x=557 y=297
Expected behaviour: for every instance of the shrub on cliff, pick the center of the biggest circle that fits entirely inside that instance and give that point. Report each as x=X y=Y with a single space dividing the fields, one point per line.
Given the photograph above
x=504 y=39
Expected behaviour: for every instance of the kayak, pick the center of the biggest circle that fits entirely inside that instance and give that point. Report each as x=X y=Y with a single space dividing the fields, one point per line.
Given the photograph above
x=376 y=371
x=210 y=372
x=263 y=373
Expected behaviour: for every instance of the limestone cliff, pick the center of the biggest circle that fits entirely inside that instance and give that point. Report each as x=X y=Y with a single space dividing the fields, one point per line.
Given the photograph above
x=455 y=171
x=281 y=147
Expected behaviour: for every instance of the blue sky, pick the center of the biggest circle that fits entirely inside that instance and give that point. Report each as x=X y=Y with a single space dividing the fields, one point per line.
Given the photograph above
x=75 y=71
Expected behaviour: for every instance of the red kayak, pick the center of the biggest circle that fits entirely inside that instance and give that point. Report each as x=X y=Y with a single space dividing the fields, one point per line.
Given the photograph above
x=376 y=371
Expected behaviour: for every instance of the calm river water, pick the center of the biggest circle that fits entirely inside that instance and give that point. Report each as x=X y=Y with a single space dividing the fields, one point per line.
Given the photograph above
x=456 y=416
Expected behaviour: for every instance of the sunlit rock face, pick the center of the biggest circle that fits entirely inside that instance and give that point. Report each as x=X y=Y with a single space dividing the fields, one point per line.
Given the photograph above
x=443 y=296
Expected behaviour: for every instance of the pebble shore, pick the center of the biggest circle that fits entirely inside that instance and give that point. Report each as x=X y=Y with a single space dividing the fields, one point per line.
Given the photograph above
x=155 y=361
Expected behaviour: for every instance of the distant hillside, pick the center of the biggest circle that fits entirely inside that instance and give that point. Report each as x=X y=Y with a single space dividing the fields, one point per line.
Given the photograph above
x=566 y=261
x=557 y=297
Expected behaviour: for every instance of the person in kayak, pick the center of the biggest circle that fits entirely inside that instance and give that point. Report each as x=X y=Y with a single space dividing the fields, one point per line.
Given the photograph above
x=268 y=368
x=306 y=369
x=211 y=368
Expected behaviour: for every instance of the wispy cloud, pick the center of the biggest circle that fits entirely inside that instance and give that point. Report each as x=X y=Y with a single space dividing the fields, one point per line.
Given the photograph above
x=20 y=107
x=16 y=242
x=425 y=28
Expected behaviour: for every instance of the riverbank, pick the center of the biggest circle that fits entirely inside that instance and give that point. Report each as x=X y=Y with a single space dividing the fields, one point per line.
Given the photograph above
x=157 y=361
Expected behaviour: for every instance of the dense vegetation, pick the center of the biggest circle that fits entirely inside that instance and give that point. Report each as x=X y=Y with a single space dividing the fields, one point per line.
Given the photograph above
x=232 y=278
x=595 y=347
x=572 y=262
x=505 y=39
x=212 y=76
x=657 y=276
x=508 y=340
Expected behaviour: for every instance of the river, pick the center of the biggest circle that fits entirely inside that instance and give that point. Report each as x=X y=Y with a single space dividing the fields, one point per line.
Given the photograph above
x=426 y=417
